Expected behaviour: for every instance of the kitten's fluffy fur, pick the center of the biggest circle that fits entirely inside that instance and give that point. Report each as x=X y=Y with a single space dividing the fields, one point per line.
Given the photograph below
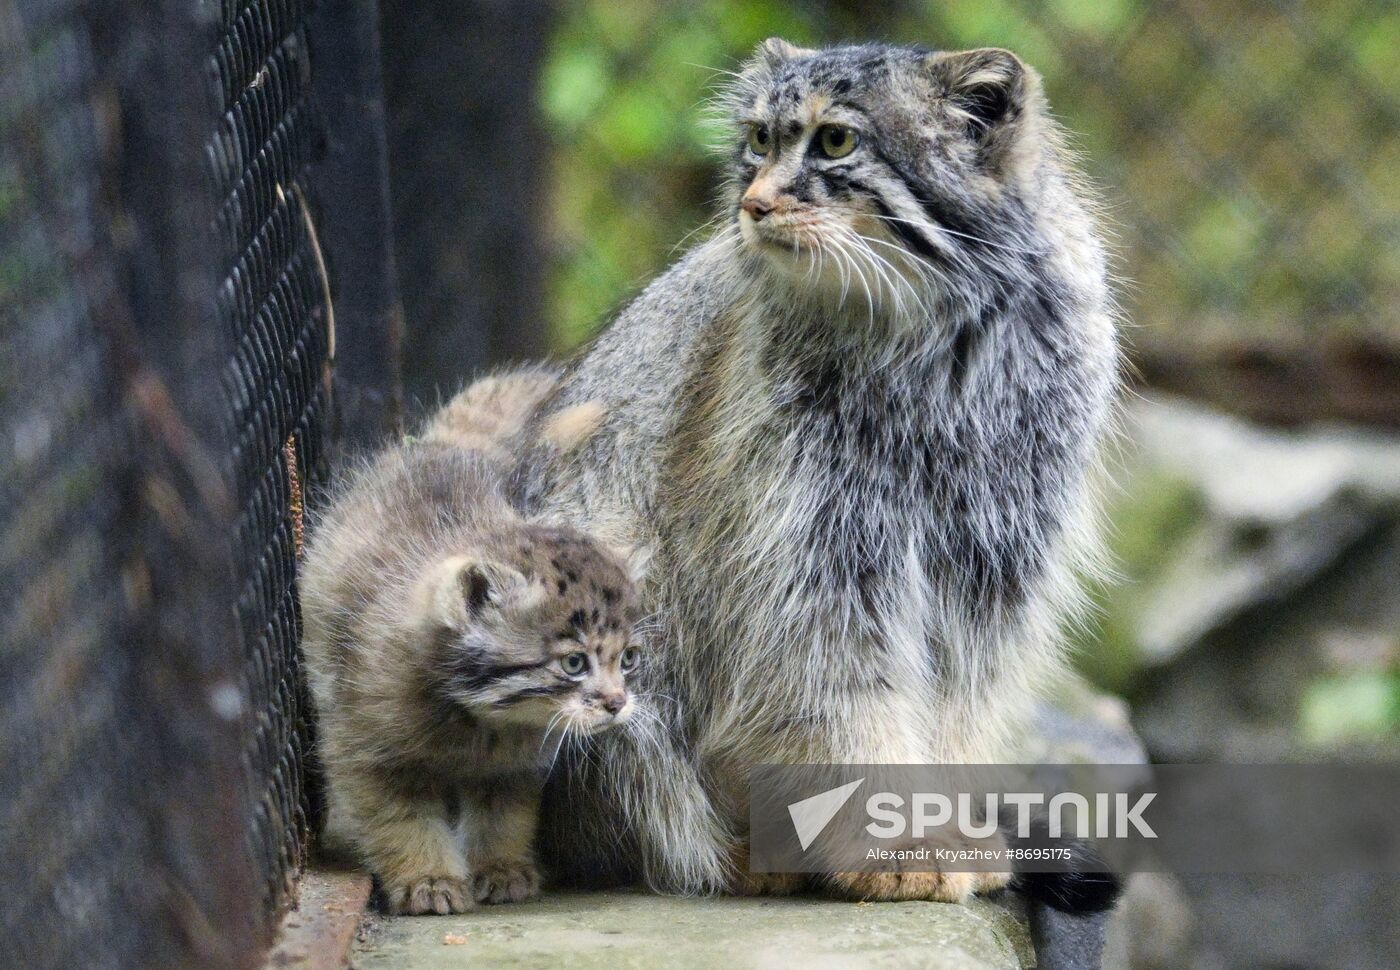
x=491 y=410
x=443 y=640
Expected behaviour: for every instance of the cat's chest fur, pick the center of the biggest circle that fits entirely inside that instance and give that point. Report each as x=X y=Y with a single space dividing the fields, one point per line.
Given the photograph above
x=840 y=524
x=801 y=500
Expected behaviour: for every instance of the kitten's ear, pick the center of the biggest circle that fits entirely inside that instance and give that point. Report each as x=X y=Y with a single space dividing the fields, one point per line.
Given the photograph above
x=774 y=51
x=991 y=88
x=460 y=588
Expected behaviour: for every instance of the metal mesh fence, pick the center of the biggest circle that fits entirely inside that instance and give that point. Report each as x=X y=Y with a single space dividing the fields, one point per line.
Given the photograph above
x=64 y=494
x=165 y=410
x=276 y=383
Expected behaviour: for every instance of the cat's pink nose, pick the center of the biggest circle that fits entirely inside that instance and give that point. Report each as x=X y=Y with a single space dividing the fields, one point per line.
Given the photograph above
x=756 y=206
x=614 y=703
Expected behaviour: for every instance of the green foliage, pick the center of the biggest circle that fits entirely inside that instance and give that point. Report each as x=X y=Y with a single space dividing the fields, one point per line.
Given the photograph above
x=633 y=171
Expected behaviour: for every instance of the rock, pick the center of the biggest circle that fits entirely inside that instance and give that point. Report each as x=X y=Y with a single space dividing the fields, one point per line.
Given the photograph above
x=1247 y=473
x=1310 y=676
x=1081 y=726
x=1153 y=927
x=1215 y=518
x=1258 y=620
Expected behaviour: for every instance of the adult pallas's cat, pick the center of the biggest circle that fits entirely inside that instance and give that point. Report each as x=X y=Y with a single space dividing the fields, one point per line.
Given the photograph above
x=858 y=425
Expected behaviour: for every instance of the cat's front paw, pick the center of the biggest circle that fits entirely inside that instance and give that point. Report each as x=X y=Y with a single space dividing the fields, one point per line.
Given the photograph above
x=430 y=894
x=942 y=887
x=886 y=887
x=501 y=881
x=898 y=884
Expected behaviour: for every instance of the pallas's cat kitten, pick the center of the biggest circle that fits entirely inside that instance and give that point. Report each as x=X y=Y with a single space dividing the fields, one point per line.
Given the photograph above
x=452 y=647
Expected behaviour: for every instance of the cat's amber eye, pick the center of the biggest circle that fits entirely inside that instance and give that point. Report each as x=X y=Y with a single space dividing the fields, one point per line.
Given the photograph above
x=629 y=658
x=760 y=139
x=837 y=141
x=575 y=664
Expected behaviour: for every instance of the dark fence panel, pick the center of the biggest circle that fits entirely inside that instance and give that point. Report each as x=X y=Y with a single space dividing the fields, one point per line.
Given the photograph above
x=468 y=170
x=165 y=406
x=123 y=815
x=349 y=188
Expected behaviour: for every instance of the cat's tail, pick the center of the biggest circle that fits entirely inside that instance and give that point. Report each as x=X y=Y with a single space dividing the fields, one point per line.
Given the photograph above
x=490 y=411
x=1075 y=891
x=1082 y=884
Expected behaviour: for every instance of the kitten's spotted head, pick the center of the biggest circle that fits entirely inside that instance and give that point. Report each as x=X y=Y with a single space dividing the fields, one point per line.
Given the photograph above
x=536 y=629
x=884 y=171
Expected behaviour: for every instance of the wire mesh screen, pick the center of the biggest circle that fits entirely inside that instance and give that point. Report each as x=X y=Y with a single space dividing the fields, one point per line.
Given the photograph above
x=165 y=393
x=276 y=382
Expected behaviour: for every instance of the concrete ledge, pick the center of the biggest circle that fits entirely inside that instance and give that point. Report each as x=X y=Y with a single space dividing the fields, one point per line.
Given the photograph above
x=621 y=930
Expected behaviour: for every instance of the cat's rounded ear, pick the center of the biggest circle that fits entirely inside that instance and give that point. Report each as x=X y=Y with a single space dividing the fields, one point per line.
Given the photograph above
x=991 y=90
x=775 y=51
x=460 y=588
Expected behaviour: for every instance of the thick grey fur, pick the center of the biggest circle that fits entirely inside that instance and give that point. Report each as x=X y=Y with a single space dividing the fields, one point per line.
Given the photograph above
x=864 y=470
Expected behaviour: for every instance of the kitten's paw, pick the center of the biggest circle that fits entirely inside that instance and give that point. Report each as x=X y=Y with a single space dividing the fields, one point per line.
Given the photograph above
x=499 y=881
x=431 y=894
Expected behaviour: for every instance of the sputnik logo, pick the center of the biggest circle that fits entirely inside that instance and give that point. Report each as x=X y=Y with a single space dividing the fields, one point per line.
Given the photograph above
x=811 y=815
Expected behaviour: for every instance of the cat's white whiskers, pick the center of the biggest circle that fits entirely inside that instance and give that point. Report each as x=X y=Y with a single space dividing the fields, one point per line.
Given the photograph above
x=860 y=272
x=900 y=281
x=961 y=235
x=893 y=280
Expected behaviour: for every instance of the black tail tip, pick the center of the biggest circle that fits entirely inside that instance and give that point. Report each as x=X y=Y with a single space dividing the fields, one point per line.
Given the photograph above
x=1071 y=891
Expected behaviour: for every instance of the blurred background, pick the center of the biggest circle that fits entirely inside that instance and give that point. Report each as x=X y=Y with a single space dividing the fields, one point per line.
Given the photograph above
x=240 y=237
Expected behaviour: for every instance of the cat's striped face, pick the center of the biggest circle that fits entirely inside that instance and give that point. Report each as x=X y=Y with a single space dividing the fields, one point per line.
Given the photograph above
x=876 y=170
x=540 y=633
x=573 y=679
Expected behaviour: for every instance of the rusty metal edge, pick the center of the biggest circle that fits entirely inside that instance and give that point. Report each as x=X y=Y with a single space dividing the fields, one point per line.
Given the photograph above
x=320 y=930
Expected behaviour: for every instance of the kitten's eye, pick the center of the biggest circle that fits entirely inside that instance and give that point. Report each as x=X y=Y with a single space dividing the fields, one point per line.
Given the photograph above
x=837 y=141
x=760 y=139
x=575 y=664
x=629 y=659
